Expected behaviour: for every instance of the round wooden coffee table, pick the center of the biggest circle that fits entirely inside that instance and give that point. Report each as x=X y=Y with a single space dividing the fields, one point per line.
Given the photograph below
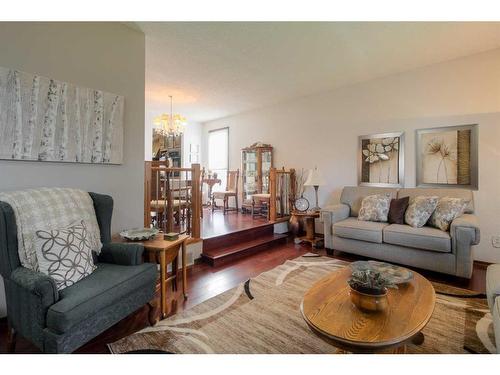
x=329 y=312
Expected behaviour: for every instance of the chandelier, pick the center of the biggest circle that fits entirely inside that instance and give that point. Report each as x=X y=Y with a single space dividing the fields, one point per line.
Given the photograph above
x=170 y=124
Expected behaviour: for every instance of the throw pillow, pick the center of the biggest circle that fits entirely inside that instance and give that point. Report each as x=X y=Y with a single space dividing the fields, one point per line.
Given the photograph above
x=397 y=210
x=374 y=208
x=65 y=254
x=446 y=211
x=420 y=210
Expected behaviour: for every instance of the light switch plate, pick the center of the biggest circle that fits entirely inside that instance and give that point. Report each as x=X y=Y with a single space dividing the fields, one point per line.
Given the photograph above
x=495 y=241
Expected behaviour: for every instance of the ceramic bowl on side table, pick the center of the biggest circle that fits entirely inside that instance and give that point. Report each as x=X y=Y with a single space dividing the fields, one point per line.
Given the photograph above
x=139 y=234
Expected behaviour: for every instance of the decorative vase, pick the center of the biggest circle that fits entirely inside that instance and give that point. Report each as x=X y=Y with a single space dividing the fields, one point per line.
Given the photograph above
x=368 y=301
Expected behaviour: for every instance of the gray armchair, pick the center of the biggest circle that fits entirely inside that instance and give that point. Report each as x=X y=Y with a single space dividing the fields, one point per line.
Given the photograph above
x=493 y=294
x=62 y=321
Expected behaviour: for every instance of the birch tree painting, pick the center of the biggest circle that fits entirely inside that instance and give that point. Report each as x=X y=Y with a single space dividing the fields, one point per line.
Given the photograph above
x=48 y=120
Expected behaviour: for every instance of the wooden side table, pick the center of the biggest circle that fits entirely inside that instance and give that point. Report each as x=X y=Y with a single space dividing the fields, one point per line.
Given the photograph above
x=210 y=183
x=308 y=218
x=164 y=252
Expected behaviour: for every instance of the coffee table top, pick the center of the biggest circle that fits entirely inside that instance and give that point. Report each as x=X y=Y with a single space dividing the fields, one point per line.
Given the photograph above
x=328 y=310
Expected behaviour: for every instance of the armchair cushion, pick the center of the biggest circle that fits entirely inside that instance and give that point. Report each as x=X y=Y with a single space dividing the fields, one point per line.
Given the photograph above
x=65 y=254
x=125 y=254
x=107 y=285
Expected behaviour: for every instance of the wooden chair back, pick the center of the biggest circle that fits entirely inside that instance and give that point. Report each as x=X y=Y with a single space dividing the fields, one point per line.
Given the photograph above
x=232 y=181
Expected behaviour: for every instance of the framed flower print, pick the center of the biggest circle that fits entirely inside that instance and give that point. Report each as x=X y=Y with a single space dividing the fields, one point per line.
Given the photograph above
x=381 y=160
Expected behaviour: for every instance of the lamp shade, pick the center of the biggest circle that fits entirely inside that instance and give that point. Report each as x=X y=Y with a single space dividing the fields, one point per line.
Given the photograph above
x=314 y=178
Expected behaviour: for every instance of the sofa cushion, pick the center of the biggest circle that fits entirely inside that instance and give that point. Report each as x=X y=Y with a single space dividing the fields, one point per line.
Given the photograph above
x=353 y=195
x=106 y=285
x=420 y=210
x=355 y=229
x=374 y=208
x=493 y=284
x=426 y=238
x=446 y=211
x=440 y=192
x=397 y=210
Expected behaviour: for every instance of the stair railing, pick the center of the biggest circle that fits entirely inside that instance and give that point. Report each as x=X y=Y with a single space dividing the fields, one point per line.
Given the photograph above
x=282 y=187
x=172 y=198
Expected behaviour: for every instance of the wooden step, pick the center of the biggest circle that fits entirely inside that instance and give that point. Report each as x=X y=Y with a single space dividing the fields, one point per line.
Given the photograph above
x=221 y=255
x=244 y=235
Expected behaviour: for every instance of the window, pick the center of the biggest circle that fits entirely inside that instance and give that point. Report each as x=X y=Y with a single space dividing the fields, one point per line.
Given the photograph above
x=218 y=155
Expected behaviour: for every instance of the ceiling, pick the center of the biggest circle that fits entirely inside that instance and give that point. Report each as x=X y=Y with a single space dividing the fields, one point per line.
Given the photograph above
x=217 y=69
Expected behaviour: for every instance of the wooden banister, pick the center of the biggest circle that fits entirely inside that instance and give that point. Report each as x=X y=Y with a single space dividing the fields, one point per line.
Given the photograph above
x=282 y=189
x=173 y=197
x=196 y=201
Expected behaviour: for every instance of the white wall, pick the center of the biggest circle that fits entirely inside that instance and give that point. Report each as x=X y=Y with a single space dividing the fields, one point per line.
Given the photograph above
x=107 y=56
x=323 y=129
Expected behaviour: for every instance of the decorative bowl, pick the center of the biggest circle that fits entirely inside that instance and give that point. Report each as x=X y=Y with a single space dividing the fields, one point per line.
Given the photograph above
x=368 y=302
x=139 y=234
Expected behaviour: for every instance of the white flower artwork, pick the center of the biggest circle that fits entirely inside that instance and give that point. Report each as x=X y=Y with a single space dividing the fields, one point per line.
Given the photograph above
x=381 y=160
x=48 y=120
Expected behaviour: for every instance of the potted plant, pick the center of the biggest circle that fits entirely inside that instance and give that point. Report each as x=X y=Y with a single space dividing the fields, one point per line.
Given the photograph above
x=369 y=290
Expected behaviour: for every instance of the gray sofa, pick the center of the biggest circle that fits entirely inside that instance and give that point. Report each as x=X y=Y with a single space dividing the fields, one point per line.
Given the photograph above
x=62 y=321
x=428 y=248
x=493 y=294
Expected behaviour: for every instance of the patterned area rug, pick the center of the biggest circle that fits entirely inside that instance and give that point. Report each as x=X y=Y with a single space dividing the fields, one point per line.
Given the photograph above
x=263 y=316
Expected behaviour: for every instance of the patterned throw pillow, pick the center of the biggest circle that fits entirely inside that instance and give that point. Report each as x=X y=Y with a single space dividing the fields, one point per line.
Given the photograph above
x=65 y=254
x=374 y=208
x=420 y=210
x=446 y=211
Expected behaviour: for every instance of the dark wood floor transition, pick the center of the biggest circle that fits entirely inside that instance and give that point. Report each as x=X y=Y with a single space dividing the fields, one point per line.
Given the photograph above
x=205 y=281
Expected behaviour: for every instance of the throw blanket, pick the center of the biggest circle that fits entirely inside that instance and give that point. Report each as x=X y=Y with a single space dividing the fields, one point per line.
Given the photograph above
x=48 y=209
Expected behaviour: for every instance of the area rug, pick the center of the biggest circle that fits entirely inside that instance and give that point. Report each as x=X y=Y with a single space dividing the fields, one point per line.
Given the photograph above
x=263 y=315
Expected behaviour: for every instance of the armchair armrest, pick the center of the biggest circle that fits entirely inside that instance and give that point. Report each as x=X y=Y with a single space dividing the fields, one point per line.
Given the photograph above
x=29 y=295
x=125 y=254
x=330 y=215
x=464 y=232
x=37 y=284
x=468 y=223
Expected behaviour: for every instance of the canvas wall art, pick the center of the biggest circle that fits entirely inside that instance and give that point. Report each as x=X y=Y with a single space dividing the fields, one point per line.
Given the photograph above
x=448 y=156
x=48 y=120
x=381 y=160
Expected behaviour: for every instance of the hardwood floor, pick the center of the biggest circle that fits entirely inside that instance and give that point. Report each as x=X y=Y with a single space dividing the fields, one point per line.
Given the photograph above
x=205 y=282
x=217 y=224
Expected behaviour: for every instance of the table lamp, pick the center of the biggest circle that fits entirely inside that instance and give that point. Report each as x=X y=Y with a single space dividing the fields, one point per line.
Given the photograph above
x=315 y=179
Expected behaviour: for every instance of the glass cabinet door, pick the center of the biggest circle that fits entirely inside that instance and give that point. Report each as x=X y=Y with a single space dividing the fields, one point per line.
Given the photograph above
x=266 y=157
x=249 y=173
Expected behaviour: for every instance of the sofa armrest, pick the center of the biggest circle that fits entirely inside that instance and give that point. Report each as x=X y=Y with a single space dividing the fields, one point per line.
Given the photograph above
x=329 y=216
x=336 y=212
x=466 y=223
x=125 y=254
x=464 y=232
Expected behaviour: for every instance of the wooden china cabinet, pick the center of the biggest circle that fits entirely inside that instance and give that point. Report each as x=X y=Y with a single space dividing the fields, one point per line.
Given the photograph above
x=256 y=162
